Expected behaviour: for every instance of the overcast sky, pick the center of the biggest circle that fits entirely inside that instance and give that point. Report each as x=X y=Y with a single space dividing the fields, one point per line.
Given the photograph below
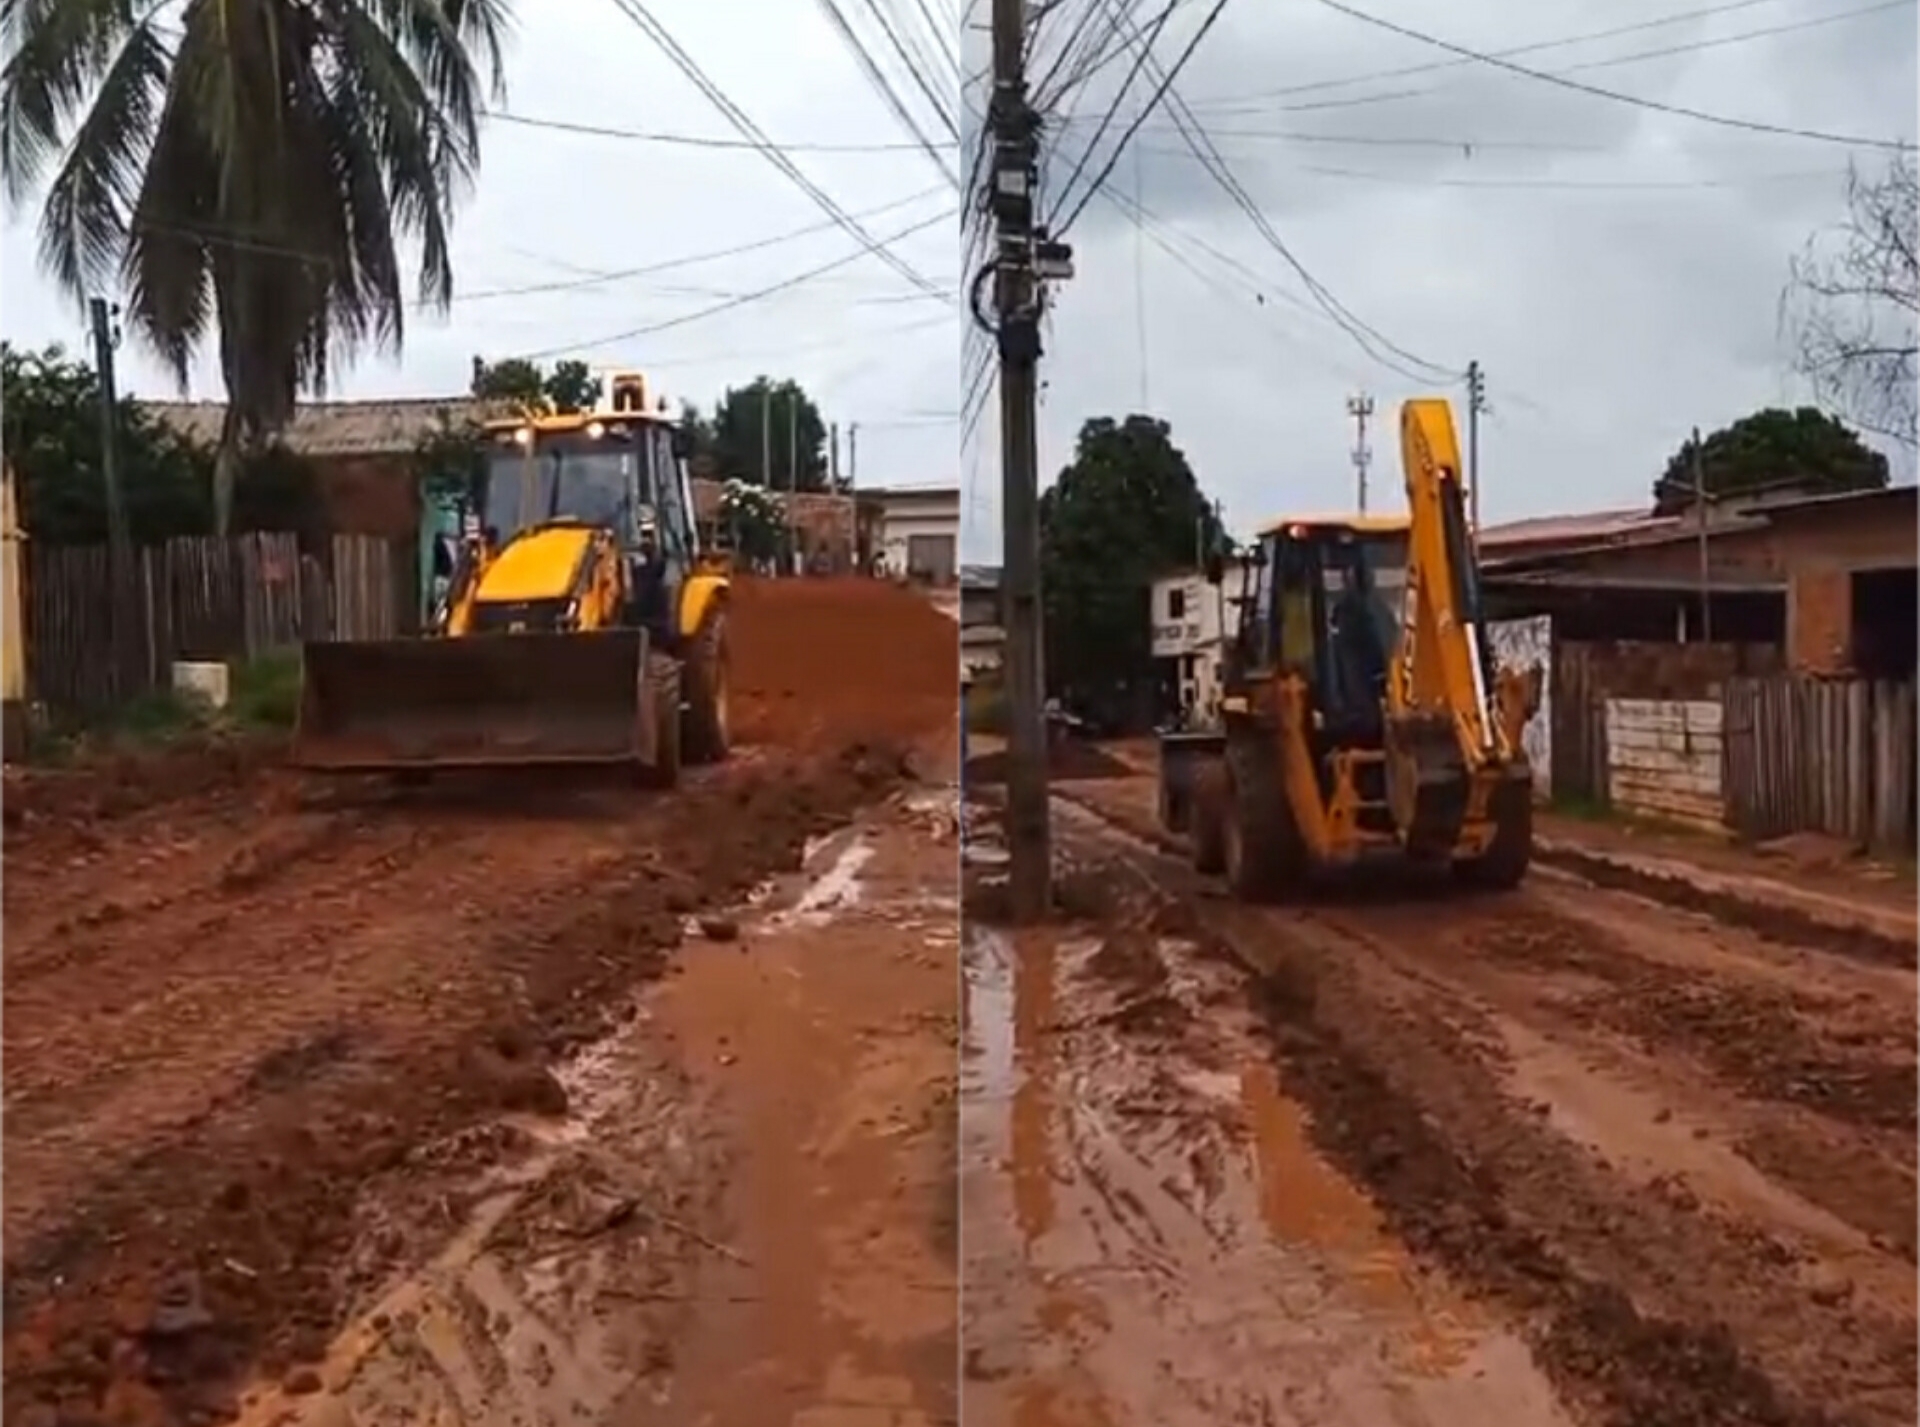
x=1615 y=270
x=555 y=208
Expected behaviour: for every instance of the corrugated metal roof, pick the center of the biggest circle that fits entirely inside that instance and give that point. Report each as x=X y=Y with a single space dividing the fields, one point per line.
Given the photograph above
x=1581 y=528
x=332 y=428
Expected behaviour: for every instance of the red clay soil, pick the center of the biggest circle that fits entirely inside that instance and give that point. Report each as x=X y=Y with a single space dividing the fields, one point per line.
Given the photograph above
x=241 y=1006
x=228 y=1017
x=819 y=660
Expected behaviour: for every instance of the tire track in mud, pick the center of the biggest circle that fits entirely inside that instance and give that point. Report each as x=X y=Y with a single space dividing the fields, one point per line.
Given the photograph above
x=1791 y=1044
x=1648 y=1307
x=1802 y=1062
x=1786 y=925
x=1645 y=1305
x=163 y=1273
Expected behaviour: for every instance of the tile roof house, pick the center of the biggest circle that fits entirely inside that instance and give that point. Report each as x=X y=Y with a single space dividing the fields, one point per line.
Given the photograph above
x=361 y=450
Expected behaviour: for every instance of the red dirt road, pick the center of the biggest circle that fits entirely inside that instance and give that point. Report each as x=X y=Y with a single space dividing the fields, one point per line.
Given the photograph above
x=1569 y=1155
x=255 y=1028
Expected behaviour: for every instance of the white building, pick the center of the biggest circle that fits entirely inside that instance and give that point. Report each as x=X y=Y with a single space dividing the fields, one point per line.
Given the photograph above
x=1192 y=621
x=919 y=536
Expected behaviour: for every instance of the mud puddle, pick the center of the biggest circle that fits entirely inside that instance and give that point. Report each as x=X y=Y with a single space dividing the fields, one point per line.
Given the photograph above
x=613 y=1270
x=1150 y=1236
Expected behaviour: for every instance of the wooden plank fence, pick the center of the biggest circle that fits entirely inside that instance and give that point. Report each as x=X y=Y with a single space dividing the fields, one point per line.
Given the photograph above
x=1833 y=756
x=197 y=597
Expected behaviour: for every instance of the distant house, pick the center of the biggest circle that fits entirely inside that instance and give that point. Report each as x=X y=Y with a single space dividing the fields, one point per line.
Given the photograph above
x=919 y=530
x=362 y=452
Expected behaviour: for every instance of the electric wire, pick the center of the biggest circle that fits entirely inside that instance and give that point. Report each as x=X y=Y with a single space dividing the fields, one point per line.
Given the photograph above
x=1382 y=349
x=1755 y=126
x=663 y=39
x=741 y=300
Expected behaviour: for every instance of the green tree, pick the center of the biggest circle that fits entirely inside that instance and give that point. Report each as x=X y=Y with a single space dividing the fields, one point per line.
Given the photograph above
x=1772 y=449
x=570 y=387
x=1126 y=510
x=756 y=428
x=50 y=406
x=248 y=171
x=50 y=430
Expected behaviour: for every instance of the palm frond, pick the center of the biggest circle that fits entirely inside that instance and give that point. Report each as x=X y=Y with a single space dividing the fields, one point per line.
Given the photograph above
x=83 y=228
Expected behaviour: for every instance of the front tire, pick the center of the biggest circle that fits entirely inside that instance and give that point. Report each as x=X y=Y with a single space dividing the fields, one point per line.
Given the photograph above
x=1264 y=857
x=663 y=686
x=706 y=735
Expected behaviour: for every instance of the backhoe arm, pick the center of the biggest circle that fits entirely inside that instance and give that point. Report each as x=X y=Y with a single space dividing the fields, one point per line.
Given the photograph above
x=1440 y=667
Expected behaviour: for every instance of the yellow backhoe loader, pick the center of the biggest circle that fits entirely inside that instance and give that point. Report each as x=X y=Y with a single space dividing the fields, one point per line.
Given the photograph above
x=582 y=625
x=1354 y=723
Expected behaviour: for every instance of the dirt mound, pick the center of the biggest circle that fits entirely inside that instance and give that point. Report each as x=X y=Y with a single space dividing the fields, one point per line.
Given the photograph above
x=201 y=1086
x=115 y=783
x=817 y=662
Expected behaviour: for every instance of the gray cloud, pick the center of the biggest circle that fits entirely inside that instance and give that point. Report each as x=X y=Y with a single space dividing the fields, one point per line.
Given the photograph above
x=1616 y=270
x=556 y=207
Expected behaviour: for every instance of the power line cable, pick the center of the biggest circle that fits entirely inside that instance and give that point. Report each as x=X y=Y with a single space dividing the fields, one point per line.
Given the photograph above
x=1166 y=83
x=690 y=260
x=878 y=81
x=1595 y=91
x=1677 y=17
x=1367 y=337
x=664 y=41
x=771 y=290
x=1614 y=61
x=693 y=141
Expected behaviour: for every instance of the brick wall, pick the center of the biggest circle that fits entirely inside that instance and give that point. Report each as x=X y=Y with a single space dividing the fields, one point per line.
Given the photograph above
x=1820 y=621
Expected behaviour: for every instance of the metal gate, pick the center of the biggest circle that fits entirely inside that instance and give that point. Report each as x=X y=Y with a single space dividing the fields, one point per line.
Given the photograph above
x=931 y=558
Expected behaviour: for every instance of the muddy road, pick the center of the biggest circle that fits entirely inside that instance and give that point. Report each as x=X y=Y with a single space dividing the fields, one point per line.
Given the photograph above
x=1569 y=1156
x=330 y=1101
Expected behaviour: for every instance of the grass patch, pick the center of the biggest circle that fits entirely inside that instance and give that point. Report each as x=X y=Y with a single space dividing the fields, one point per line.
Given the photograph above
x=263 y=696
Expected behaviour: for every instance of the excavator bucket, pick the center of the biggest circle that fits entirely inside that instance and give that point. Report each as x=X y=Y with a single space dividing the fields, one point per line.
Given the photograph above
x=482 y=701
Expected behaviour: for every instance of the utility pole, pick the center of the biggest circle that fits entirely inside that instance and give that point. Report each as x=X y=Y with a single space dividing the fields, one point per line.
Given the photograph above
x=766 y=436
x=1476 y=403
x=1360 y=408
x=1022 y=257
x=1699 y=465
x=105 y=339
x=793 y=481
x=833 y=456
x=853 y=451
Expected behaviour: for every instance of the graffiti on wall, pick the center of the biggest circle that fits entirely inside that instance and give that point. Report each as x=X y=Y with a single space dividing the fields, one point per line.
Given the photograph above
x=1522 y=644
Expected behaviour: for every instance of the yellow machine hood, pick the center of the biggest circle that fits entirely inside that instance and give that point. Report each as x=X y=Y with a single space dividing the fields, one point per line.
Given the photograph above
x=537 y=565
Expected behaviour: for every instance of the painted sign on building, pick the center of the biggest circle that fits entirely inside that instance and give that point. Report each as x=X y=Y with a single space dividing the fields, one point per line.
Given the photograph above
x=1523 y=644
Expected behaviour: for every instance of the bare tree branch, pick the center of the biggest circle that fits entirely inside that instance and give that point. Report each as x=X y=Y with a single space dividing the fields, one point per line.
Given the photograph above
x=1852 y=306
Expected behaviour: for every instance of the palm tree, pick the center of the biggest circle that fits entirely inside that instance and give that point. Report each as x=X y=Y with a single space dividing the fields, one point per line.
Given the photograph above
x=249 y=167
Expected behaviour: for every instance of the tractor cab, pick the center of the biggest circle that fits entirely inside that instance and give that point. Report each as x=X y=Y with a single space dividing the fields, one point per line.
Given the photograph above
x=554 y=484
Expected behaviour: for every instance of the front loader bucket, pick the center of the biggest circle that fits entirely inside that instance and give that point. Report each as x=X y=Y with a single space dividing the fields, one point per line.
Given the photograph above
x=482 y=701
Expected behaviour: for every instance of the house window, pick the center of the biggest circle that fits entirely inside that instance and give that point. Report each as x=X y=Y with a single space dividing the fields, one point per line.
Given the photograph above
x=1176 y=604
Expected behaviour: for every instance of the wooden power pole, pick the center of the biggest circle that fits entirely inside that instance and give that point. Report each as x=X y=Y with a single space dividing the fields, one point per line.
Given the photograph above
x=1022 y=257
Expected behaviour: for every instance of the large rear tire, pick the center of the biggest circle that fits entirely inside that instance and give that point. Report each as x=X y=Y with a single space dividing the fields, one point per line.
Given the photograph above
x=706 y=734
x=1263 y=853
x=663 y=685
x=1207 y=832
x=1503 y=866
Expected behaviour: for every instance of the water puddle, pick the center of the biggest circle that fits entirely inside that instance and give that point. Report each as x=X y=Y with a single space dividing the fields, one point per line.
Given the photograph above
x=836 y=888
x=1158 y=1240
